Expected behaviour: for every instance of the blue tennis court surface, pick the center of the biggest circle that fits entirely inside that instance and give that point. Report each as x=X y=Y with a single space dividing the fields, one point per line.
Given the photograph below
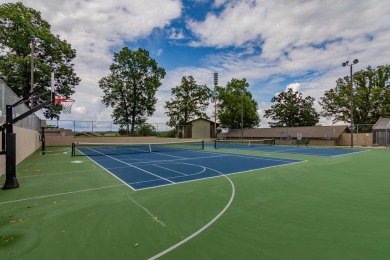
x=302 y=150
x=147 y=170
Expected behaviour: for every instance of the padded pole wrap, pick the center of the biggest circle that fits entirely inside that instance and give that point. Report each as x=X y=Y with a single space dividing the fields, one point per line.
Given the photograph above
x=10 y=163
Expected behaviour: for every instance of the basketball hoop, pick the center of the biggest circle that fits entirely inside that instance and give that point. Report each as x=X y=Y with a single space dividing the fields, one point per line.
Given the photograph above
x=66 y=104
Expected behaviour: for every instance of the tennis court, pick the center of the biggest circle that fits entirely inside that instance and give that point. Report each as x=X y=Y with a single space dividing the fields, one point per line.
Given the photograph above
x=139 y=167
x=260 y=145
x=279 y=206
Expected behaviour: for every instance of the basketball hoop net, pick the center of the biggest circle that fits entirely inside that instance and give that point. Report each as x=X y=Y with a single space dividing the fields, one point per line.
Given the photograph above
x=66 y=104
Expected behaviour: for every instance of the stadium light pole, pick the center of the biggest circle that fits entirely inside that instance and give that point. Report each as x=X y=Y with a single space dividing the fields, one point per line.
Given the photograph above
x=344 y=64
x=242 y=115
x=215 y=103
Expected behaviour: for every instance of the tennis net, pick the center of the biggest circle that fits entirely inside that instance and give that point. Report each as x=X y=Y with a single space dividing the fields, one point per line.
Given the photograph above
x=242 y=143
x=96 y=149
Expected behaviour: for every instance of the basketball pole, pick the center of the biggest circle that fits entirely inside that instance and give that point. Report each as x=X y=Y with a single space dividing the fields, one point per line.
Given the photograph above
x=11 y=182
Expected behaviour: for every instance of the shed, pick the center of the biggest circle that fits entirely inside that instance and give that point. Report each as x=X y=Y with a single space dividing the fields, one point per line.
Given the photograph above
x=198 y=128
x=381 y=131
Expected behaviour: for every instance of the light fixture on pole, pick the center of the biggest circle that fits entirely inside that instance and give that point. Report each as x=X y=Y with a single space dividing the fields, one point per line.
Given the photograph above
x=344 y=64
x=215 y=103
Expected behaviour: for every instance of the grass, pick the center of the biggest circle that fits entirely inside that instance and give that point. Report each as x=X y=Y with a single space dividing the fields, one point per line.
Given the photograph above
x=325 y=208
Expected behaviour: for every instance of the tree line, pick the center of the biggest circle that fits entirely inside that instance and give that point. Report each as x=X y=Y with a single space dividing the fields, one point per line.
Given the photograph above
x=131 y=86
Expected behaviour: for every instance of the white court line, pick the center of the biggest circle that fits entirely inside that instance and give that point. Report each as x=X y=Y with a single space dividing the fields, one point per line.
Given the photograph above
x=134 y=167
x=192 y=174
x=59 y=194
x=178 y=160
x=169 y=169
x=170 y=155
x=22 y=175
x=205 y=226
x=264 y=158
x=225 y=174
x=308 y=153
x=362 y=151
x=212 y=221
x=216 y=155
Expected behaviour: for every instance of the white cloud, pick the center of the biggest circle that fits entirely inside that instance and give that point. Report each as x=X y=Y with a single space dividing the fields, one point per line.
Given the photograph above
x=235 y=26
x=262 y=41
x=176 y=34
x=284 y=25
x=95 y=29
x=294 y=86
x=303 y=40
x=219 y=3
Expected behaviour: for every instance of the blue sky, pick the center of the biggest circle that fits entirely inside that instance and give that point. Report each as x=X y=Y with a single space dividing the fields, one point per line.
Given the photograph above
x=275 y=45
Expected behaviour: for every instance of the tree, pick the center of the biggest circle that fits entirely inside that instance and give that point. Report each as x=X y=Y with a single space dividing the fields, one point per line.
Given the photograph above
x=21 y=30
x=145 y=130
x=189 y=100
x=291 y=109
x=131 y=87
x=371 y=97
x=236 y=103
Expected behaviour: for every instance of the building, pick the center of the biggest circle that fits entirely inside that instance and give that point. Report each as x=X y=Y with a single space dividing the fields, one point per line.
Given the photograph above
x=198 y=129
x=315 y=135
x=381 y=132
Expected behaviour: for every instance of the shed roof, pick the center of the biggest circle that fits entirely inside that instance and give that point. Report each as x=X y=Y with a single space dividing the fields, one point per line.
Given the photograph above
x=332 y=132
x=202 y=119
x=382 y=123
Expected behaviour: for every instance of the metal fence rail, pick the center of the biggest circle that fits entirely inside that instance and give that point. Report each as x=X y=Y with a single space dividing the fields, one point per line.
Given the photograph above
x=104 y=127
x=8 y=97
x=377 y=135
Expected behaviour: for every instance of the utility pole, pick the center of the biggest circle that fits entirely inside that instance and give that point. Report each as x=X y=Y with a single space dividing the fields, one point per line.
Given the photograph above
x=32 y=71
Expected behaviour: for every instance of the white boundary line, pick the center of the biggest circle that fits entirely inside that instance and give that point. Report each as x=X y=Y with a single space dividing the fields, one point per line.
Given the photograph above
x=292 y=151
x=361 y=151
x=214 y=219
x=283 y=160
x=59 y=194
x=105 y=169
x=23 y=175
x=225 y=174
x=131 y=165
x=205 y=226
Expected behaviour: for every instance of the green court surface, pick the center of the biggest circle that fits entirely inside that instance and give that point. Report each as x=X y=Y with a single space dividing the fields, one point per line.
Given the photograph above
x=323 y=208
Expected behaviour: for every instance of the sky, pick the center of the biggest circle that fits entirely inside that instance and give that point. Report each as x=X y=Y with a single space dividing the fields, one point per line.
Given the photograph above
x=274 y=45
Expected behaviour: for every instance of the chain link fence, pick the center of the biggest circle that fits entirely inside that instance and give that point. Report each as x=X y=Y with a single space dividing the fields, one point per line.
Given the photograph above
x=364 y=135
x=8 y=97
x=381 y=132
x=109 y=128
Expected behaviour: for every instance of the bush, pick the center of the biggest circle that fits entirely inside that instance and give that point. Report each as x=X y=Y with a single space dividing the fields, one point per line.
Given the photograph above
x=170 y=133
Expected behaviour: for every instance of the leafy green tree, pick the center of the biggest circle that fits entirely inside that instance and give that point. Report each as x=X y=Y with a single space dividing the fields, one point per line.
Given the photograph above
x=145 y=130
x=236 y=103
x=131 y=87
x=20 y=29
x=189 y=100
x=291 y=109
x=371 y=97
